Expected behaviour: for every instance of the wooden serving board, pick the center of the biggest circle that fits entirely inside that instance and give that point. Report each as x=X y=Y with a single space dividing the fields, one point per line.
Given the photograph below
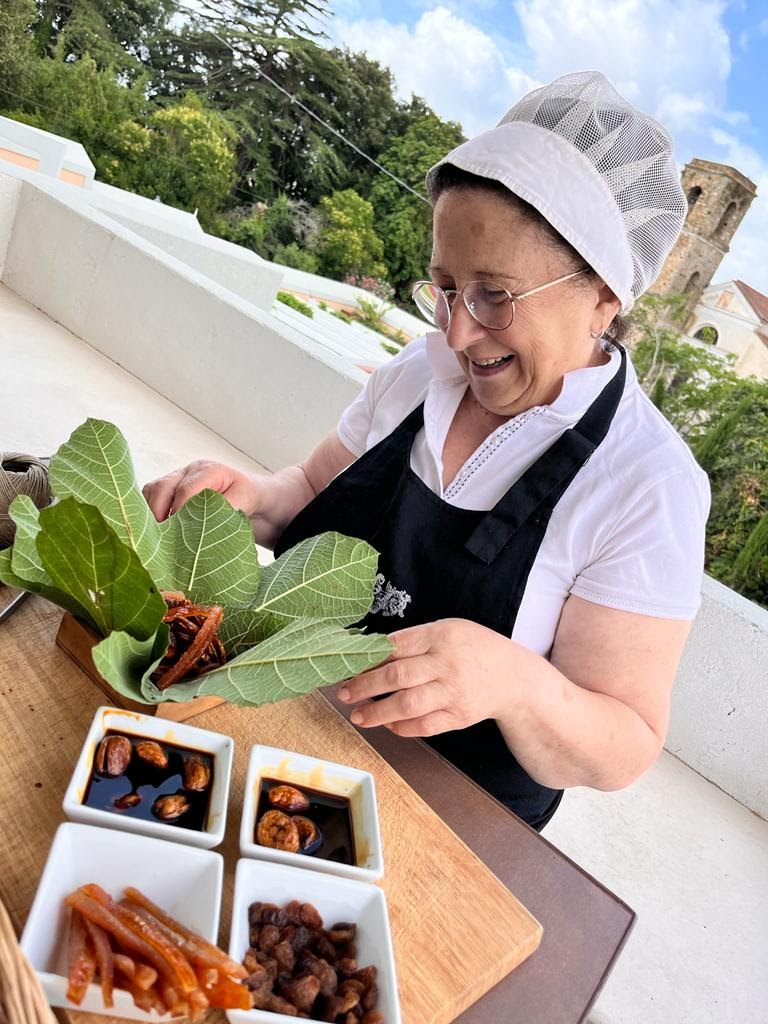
x=456 y=929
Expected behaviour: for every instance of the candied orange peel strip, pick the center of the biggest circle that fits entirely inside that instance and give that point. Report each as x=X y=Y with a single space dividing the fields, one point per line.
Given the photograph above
x=104 y=959
x=82 y=963
x=206 y=953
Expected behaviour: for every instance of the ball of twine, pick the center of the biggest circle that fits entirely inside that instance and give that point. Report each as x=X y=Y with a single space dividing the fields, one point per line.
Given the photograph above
x=20 y=474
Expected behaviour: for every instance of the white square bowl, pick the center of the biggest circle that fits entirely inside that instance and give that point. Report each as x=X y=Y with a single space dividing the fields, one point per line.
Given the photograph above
x=336 y=779
x=336 y=899
x=147 y=726
x=183 y=880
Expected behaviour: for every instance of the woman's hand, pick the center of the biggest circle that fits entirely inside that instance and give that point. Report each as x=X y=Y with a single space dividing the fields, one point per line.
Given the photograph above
x=443 y=675
x=168 y=493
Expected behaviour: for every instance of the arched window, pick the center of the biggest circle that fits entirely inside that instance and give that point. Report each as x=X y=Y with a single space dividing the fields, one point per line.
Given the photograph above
x=693 y=282
x=724 y=228
x=693 y=195
x=707 y=334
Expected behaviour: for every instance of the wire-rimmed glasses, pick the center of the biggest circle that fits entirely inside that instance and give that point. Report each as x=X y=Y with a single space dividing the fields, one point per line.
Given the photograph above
x=489 y=303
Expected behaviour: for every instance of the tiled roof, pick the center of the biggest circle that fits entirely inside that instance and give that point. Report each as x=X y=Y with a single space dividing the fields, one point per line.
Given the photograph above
x=756 y=299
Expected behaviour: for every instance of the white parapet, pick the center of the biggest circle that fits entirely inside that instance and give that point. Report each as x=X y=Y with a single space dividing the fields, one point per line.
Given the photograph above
x=255 y=381
x=720 y=700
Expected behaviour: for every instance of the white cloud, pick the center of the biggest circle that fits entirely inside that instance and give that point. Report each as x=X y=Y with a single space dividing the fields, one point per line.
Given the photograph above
x=669 y=57
x=656 y=52
x=454 y=65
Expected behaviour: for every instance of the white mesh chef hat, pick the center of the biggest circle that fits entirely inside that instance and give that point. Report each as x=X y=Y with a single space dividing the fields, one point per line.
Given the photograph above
x=601 y=172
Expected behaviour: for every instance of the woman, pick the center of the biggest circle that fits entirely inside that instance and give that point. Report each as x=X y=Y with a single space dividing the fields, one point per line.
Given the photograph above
x=541 y=527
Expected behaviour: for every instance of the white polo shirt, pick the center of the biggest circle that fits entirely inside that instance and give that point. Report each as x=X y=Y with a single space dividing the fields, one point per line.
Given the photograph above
x=629 y=530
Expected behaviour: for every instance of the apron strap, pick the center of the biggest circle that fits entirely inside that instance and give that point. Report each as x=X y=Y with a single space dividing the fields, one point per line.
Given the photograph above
x=549 y=476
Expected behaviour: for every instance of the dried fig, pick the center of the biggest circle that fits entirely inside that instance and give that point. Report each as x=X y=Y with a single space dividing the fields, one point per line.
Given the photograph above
x=152 y=753
x=277 y=830
x=310 y=835
x=169 y=808
x=113 y=755
x=197 y=773
x=288 y=798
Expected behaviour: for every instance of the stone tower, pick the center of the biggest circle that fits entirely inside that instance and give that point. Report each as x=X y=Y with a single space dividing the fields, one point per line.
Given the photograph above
x=718 y=197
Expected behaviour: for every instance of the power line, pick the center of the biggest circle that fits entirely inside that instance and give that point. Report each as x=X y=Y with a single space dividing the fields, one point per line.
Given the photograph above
x=294 y=99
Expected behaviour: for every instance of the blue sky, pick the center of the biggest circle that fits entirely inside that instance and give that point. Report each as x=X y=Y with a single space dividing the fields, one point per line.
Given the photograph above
x=700 y=66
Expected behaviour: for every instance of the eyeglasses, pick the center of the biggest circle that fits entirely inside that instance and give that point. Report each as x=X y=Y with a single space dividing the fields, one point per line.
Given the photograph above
x=489 y=303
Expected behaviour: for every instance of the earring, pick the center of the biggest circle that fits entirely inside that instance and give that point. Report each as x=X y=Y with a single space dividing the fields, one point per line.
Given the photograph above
x=595 y=334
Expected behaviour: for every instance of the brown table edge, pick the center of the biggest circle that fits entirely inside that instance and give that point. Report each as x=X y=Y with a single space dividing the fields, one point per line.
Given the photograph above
x=630 y=912
x=329 y=695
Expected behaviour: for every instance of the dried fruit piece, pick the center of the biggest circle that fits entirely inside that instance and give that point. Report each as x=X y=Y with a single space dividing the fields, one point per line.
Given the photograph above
x=301 y=991
x=277 y=830
x=342 y=932
x=310 y=916
x=288 y=798
x=113 y=755
x=169 y=808
x=197 y=773
x=310 y=835
x=152 y=753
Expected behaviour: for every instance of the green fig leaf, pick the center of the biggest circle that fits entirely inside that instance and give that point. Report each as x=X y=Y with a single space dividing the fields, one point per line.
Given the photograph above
x=85 y=558
x=307 y=654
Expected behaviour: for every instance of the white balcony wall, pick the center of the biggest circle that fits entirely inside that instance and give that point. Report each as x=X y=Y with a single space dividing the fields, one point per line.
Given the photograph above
x=236 y=369
x=720 y=700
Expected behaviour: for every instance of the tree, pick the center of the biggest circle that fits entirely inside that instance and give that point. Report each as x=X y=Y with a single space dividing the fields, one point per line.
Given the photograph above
x=750 y=570
x=16 y=50
x=190 y=160
x=348 y=243
x=403 y=220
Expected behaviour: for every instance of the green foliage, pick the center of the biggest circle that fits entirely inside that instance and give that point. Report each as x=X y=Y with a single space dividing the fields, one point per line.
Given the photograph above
x=725 y=420
x=293 y=255
x=348 y=243
x=294 y=303
x=286 y=226
x=750 y=569
x=90 y=551
x=371 y=313
x=16 y=50
x=403 y=220
x=190 y=161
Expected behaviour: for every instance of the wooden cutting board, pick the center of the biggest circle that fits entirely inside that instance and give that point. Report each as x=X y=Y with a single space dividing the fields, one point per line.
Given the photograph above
x=456 y=929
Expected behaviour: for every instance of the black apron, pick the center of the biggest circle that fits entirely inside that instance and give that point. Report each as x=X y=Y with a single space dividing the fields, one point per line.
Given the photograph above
x=438 y=561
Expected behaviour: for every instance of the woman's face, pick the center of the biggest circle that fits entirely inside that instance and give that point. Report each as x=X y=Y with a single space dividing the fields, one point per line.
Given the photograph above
x=480 y=236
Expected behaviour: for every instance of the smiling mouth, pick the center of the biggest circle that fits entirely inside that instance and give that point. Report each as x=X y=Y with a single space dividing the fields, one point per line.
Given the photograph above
x=483 y=364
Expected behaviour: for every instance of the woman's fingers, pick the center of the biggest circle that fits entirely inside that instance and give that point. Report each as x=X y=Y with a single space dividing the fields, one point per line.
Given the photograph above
x=399 y=674
x=168 y=493
x=413 y=703
x=428 y=725
x=160 y=493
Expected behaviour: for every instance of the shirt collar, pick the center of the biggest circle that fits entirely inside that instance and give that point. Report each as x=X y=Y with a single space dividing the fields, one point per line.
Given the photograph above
x=580 y=387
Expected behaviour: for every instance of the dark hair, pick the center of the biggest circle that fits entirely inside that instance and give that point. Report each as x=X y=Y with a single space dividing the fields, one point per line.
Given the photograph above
x=448 y=177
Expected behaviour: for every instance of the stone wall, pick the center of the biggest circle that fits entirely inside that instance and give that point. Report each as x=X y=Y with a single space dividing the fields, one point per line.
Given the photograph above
x=718 y=197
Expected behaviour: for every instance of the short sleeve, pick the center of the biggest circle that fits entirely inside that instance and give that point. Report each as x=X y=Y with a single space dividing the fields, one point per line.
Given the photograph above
x=355 y=423
x=390 y=392
x=652 y=561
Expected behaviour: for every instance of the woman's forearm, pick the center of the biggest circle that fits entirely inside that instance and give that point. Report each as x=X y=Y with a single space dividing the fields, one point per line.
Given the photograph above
x=565 y=735
x=280 y=498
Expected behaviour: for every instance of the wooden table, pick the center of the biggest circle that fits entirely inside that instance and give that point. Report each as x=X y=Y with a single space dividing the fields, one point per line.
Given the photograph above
x=585 y=926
